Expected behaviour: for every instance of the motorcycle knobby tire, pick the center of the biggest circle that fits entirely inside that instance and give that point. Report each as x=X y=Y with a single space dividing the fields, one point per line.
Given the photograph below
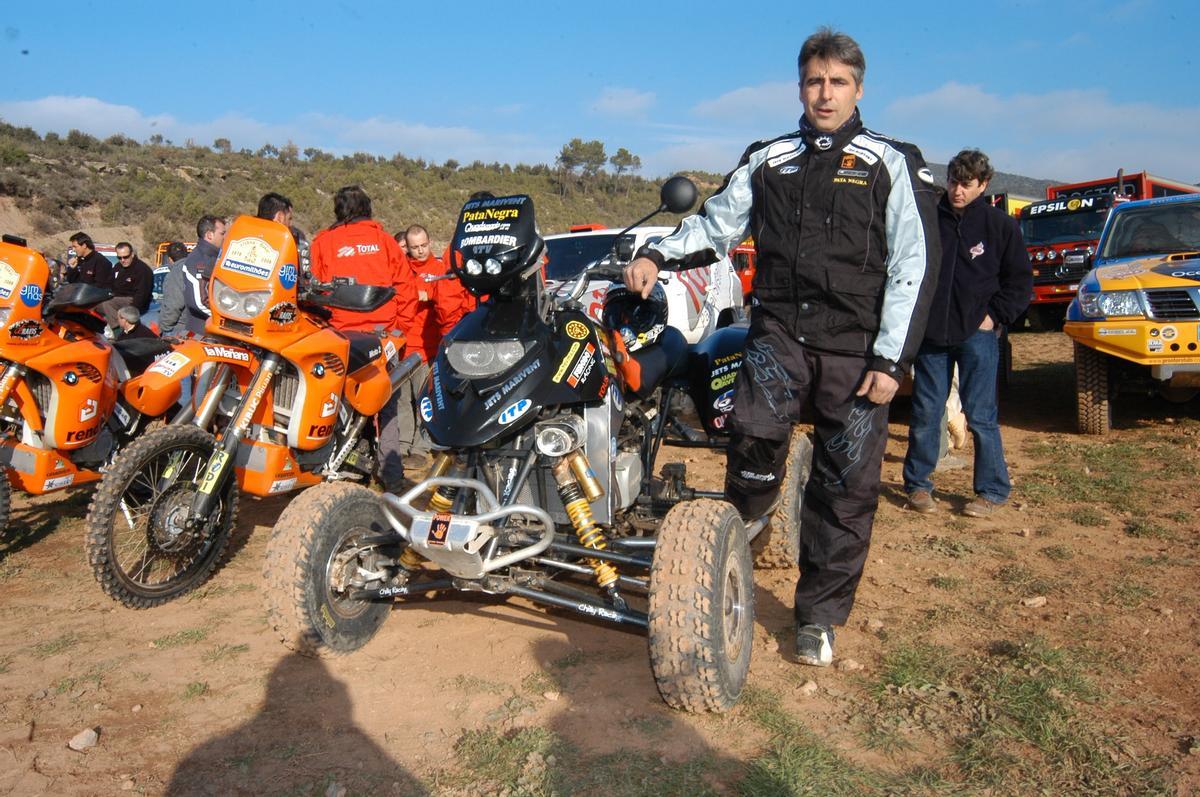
x=308 y=536
x=105 y=512
x=701 y=606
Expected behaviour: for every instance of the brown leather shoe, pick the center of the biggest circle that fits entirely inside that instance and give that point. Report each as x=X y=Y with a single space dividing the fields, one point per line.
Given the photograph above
x=981 y=507
x=922 y=501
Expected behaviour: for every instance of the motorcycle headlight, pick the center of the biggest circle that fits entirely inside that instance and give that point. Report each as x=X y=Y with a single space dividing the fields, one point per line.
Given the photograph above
x=559 y=436
x=492 y=266
x=477 y=358
x=242 y=305
x=1110 y=303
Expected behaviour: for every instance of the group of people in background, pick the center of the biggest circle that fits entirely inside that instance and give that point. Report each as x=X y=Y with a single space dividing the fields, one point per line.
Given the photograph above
x=355 y=248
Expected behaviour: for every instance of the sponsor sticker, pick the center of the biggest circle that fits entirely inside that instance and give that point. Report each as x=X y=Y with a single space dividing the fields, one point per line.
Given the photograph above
x=252 y=256
x=925 y=175
x=282 y=485
x=283 y=313
x=31 y=294
x=566 y=362
x=8 y=279
x=215 y=465
x=287 y=276
x=439 y=529
x=576 y=330
x=25 y=330
x=849 y=161
x=1121 y=331
x=389 y=348
x=583 y=366
x=58 y=482
x=1169 y=333
x=779 y=160
x=724 y=402
x=330 y=406
x=506 y=388
x=122 y=414
x=167 y=366
x=1154 y=345
x=869 y=157
x=514 y=411
x=976 y=250
x=228 y=353
x=426 y=409
x=789 y=170
x=88 y=410
x=723 y=381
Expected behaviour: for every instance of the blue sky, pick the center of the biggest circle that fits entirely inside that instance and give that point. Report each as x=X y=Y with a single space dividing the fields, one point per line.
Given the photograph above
x=1067 y=90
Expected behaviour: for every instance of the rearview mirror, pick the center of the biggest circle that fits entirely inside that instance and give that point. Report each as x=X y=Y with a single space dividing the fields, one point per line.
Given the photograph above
x=678 y=194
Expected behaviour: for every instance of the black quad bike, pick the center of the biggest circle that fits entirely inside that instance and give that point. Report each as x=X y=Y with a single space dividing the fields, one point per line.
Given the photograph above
x=546 y=426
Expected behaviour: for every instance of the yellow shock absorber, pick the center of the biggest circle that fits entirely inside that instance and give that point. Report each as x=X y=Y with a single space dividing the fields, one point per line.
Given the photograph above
x=580 y=512
x=442 y=500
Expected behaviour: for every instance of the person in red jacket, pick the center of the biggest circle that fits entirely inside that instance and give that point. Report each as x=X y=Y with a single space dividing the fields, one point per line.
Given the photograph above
x=357 y=247
x=438 y=305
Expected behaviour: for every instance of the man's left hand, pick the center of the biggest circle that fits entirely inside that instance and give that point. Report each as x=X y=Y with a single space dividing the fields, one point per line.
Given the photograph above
x=988 y=324
x=878 y=387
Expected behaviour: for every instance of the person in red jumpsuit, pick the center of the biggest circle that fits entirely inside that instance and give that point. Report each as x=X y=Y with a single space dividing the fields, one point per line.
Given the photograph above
x=357 y=248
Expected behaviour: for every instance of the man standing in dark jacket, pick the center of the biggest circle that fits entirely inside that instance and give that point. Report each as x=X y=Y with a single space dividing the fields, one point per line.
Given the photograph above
x=843 y=221
x=90 y=266
x=197 y=269
x=984 y=285
x=132 y=284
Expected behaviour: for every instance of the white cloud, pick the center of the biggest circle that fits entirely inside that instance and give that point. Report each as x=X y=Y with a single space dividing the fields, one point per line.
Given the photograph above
x=337 y=134
x=1066 y=134
x=774 y=103
x=623 y=103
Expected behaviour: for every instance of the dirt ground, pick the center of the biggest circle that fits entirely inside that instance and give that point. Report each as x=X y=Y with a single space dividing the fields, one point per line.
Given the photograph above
x=198 y=697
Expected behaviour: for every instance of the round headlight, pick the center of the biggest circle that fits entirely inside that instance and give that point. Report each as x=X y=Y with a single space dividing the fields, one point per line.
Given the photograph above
x=474 y=267
x=553 y=441
x=227 y=298
x=1040 y=255
x=492 y=266
x=478 y=355
x=254 y=304
x=1051 y=254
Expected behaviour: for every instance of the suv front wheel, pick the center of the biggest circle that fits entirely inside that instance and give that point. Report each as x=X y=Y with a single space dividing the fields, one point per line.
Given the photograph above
x=1093 y=391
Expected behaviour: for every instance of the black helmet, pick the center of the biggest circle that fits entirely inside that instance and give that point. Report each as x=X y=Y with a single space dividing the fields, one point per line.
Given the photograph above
x=638 y=321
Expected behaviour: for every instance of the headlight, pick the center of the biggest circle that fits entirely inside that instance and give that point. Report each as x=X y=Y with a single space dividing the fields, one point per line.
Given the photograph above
x=1041 y=255
x=1051 y=254
x=492 y=266
x=474 y=358
x=1110 y=303
x=559 y=436
x=243 y=306
x=474 y=267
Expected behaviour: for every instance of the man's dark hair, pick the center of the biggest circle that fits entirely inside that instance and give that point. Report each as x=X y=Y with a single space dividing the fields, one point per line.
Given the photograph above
x=968 y=165
x=84 y=239
x=125 y=245
x=831 y=45
x=351 y=202
x=481 y=195
x=177 y=250
x=208 y=224
x=271 y=204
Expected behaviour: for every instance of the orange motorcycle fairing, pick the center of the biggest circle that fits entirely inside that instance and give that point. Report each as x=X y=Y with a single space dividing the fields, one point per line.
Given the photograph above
x=41 y=470
x=154 y=391
x=76 y=391
x=320 y=361
x=254 y=278
x=264 y=468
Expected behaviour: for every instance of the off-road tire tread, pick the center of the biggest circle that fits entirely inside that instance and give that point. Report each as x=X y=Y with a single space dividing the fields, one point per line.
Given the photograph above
x=1093 y=395
x=777 y=547
x=682 y=591
x=286 y=566
x=106 y=504
x=5 y=501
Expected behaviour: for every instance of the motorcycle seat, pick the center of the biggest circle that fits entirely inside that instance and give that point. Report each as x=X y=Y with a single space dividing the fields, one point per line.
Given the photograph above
x=364 y=347
x=664 y=360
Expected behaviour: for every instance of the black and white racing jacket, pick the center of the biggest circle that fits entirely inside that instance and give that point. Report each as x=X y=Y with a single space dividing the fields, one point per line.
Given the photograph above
x=845 y=228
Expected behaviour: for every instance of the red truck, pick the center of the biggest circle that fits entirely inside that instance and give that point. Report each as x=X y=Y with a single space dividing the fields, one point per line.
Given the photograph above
x=1061 y=234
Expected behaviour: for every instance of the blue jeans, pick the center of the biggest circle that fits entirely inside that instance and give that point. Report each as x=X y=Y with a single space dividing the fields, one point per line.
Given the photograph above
x=977 y=358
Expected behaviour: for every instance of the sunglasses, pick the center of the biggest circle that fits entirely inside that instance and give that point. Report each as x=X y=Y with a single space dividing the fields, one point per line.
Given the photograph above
x=124 y=257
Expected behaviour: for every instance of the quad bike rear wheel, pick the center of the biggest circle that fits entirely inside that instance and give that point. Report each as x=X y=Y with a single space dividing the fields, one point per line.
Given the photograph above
x=311 y=558
x=778 y=545
x=701 y=606
x=138 y=542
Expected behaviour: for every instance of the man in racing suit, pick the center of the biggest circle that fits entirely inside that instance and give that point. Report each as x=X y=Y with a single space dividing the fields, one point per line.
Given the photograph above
x=845 y=229
x=357 y=248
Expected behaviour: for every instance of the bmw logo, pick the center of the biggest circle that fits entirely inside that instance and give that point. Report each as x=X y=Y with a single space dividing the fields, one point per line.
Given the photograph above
x=426 y=409
x=70 y=377
x=31 y=294
x=318 y=370
x=287 y=275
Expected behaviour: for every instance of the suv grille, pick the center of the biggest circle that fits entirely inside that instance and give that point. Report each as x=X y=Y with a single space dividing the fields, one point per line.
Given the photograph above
x=1172 y=305
x=1072 y=267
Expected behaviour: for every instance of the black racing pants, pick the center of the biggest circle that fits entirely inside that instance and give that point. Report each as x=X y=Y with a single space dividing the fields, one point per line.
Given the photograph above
x=779 y=375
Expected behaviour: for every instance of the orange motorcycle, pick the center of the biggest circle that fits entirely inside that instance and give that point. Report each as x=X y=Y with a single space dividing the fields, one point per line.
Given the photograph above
x=282 y=401
x=61 y=415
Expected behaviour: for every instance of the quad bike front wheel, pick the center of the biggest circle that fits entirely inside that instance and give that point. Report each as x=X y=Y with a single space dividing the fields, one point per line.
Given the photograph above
x=312 y=559
x=139 y=543
x=701 y=606
x=778 y=545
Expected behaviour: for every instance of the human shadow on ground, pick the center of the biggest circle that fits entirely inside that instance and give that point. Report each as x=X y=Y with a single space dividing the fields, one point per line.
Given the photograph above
x=302 y=740
x=36 y=520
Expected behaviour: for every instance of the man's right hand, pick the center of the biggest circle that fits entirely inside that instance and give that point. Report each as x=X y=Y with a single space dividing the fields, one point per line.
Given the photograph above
x=640 y=276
